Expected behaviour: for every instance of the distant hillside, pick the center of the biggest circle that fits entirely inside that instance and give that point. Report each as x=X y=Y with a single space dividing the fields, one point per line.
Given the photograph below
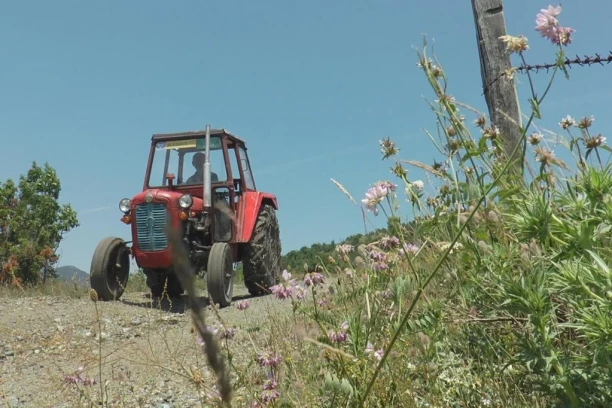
x=67 y=273
x=319 y=253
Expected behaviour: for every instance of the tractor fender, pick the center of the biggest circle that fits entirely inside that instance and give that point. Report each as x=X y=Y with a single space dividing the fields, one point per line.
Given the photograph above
x=250 y=205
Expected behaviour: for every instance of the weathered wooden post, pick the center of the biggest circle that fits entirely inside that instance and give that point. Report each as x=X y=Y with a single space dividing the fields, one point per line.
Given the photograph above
x=500 y=95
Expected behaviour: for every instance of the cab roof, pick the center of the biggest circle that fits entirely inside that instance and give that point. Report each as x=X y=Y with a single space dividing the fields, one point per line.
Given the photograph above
x=196 y=133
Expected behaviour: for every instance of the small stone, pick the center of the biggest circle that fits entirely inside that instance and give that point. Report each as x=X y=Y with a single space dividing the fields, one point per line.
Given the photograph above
x=9 y=353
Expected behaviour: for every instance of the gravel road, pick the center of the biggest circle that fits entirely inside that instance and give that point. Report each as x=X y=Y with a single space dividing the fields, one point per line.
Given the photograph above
x=147 y=350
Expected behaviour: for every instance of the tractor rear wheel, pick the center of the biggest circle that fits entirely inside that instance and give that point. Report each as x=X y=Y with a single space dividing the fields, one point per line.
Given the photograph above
x=262 y=255
x=220 y=274
x=110 y=269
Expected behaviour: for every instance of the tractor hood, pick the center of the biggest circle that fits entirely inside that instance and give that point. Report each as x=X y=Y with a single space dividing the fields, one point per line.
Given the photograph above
x=169 y=197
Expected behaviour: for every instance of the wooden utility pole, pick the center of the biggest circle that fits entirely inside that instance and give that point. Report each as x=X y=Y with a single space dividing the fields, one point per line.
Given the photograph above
x=500 y=94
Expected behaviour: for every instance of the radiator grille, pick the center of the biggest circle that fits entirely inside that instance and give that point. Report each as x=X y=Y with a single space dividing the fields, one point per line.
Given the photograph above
x=151 y=220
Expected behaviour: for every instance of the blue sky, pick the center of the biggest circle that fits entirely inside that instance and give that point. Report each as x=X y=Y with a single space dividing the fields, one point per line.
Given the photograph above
x=312 y=86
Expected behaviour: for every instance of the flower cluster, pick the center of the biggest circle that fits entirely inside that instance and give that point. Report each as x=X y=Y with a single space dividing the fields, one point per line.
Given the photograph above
x=339 y=336
x=548 y=26
x=288 y=288
x=77 y=378
x=379 y=259
x=344 y=249
x=376 y=194
x=268 y=359
x=243 y=305
x=313 y=278
x=377 y=354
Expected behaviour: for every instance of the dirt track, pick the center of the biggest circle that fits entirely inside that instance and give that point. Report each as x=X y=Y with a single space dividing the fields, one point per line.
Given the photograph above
x=147 y=352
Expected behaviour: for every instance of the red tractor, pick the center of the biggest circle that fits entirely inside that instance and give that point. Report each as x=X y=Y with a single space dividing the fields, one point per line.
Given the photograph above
x=201 y=183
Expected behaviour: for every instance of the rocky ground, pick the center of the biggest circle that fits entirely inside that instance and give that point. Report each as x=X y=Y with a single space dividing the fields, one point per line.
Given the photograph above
x=50 y=346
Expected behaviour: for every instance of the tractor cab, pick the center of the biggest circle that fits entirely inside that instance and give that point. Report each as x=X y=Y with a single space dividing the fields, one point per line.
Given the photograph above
x=177 y=163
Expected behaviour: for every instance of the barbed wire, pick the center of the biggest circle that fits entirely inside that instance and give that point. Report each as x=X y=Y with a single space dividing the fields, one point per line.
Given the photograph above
x=587 y=60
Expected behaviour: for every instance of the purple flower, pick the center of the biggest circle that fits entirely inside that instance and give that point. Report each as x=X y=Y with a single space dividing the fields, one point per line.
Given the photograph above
x=377 y=354
x=226 y=332
x=548 y=26
x=77 y=379
x=313 y=278
x=284 y=289
x=380 y=266
x=410 y=248
x=267 y=359
x=243 y=305
x=378 y=256
x=339 y=336
x=388 y=242
x=376 y=194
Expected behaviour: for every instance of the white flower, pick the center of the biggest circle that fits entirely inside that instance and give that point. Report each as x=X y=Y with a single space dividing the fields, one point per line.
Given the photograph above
x=418 y=184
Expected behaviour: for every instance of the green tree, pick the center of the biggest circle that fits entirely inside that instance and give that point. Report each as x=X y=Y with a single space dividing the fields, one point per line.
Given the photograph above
x=32 y=225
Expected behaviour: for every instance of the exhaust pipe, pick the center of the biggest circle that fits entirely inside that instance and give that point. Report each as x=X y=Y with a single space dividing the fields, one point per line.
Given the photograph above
x=207 y=182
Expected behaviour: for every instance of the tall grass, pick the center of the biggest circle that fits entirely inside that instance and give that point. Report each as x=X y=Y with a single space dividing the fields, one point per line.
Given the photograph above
x=504 y=299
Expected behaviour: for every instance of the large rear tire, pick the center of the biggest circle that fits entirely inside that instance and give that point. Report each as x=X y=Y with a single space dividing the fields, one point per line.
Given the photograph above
x=262 y=255
x=220 y=274
x=110 y=269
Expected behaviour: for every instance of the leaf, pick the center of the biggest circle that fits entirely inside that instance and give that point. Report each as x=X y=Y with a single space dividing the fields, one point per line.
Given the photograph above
x=535 y=107
x=602 y=265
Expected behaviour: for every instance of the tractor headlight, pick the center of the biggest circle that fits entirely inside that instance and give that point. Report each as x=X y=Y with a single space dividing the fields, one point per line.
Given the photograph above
x=185 y=201
x=124 y=205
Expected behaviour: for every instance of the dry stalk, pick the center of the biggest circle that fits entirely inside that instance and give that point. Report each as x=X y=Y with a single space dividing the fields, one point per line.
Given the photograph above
x=186 y=275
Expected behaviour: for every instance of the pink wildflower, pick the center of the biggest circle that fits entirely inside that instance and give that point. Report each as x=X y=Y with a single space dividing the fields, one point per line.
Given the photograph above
x=378 y=354
x=410 y=248
x=380 y=260
x=344 y=249
x=376 y=194
x=267 y=359
x=77 y=379
x=388 y=242
x=243 y=305
x=339 y=336
x=284 y=289
x=313 y=278
x=226 y=332
x=548 y=26
x=300 y=294
x=288 y=288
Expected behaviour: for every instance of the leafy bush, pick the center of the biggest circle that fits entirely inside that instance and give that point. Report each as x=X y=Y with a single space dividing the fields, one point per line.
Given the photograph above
x=32 y=225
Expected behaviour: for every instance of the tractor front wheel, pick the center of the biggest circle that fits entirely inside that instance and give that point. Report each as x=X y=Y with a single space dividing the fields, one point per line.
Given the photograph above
x=220 y=274
x=110 y=269
x=262 y=255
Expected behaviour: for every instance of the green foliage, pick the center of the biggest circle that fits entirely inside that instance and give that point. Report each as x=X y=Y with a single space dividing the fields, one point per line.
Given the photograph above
x=501 y=293
x=32 y=225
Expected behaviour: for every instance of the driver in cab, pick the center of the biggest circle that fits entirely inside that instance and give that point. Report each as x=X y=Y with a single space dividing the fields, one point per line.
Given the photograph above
x=198 y=176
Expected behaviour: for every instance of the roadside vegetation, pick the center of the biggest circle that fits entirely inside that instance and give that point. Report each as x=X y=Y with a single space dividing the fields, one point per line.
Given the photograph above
x=497 y=292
